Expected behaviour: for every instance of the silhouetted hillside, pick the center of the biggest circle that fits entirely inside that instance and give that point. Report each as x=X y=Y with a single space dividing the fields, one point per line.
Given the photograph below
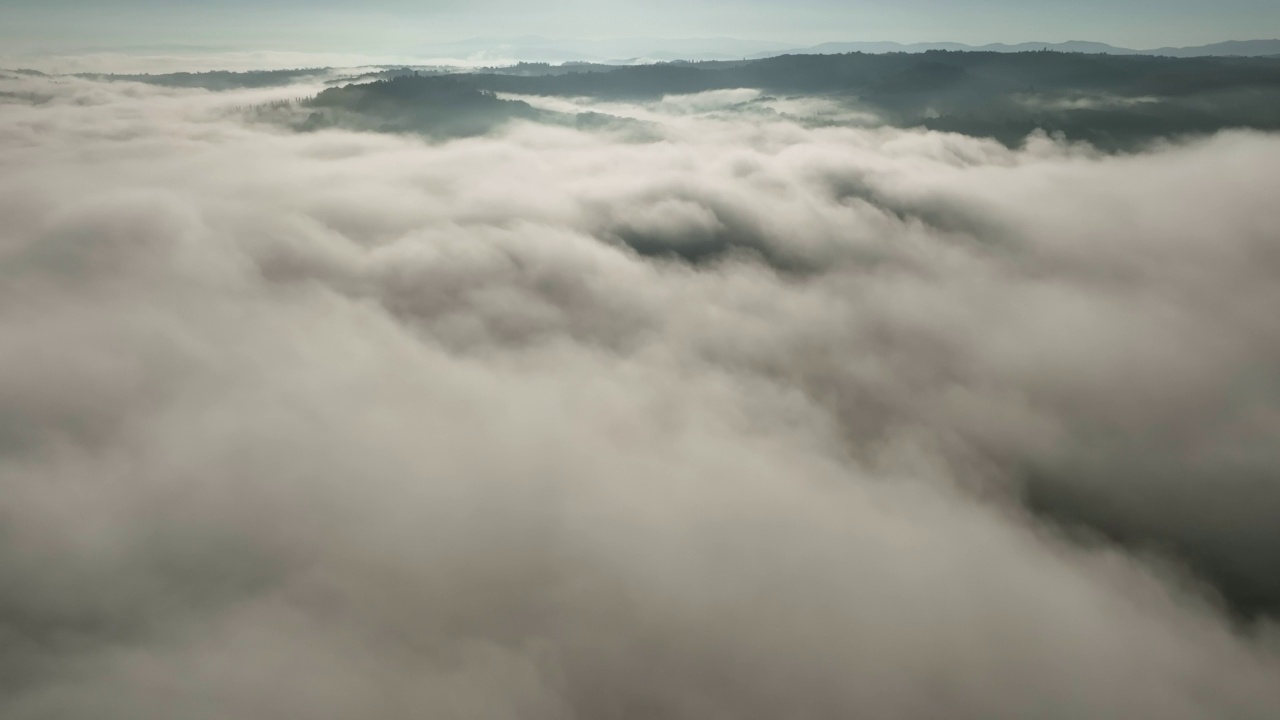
x=1247 y=48
x=1115 y=102
x=981 y=73
x=441 y=106
x=219 y=79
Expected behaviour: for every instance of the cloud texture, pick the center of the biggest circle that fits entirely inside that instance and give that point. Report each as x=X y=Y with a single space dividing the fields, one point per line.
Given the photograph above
x=750 y=421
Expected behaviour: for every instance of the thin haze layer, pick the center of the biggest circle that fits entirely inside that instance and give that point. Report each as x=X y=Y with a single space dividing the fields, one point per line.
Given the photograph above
x=388 y=26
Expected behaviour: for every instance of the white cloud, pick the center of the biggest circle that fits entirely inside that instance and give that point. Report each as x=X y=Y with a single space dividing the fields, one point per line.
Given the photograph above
x=337 y=424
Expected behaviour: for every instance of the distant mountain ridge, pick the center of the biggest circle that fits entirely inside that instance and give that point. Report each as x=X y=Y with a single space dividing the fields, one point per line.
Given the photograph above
x=532 y=48
x=639 y=50
x=1242 y=48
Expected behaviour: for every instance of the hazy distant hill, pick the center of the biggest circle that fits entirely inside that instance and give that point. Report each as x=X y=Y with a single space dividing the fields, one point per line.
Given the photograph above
x=833 y=48
x=541 y=49
x=629 y=50
x=220 y=79
x=1243 y=48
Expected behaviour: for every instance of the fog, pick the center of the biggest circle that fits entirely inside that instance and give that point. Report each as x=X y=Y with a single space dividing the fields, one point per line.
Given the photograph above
x=740 y=419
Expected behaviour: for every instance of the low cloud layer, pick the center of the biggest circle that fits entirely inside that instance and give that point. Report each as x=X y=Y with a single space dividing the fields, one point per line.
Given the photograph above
x=749 y=420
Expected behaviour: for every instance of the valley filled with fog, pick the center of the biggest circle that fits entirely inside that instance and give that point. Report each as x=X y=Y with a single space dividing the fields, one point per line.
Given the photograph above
x=906 y=387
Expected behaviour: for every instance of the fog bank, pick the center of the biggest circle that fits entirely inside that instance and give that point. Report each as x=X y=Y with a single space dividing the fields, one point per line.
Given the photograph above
x=748 y=419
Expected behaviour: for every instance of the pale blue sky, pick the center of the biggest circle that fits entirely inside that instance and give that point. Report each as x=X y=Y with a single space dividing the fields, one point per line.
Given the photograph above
x=387 y=25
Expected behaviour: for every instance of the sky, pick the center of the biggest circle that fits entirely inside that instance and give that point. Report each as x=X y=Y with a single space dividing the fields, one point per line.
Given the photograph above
x=390 y=26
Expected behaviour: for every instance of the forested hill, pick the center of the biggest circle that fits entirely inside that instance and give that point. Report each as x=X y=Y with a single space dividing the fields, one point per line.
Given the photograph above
x=442 y=106
x=219 y=79
x=1114 y=102
x=971 y=74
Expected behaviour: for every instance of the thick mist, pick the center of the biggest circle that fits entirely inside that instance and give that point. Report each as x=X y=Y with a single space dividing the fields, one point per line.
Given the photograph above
x=737 y=419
